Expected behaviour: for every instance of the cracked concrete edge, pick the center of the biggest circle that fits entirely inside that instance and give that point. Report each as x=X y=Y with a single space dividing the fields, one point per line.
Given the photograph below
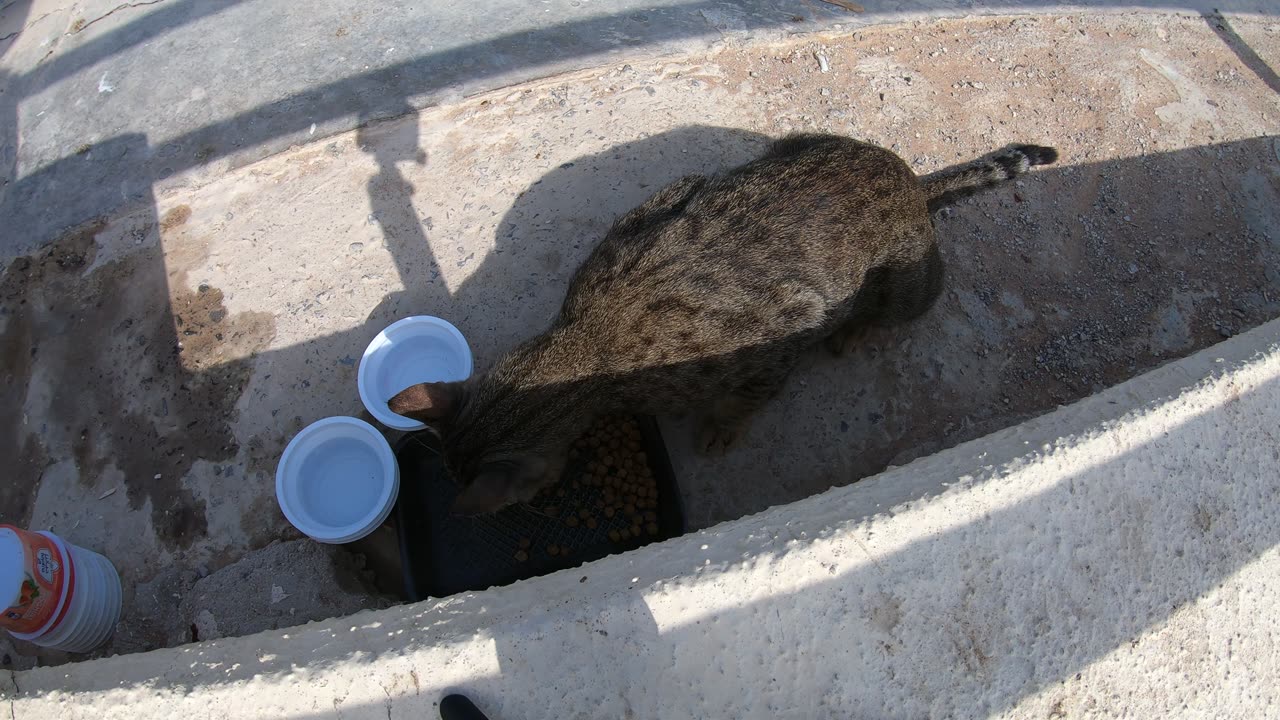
x=328 y=662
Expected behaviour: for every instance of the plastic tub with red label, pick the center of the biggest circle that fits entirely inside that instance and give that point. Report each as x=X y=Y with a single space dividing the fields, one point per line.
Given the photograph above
x=56 y=594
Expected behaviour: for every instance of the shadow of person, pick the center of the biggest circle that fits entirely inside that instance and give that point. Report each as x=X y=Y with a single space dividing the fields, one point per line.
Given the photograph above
x=391 y=203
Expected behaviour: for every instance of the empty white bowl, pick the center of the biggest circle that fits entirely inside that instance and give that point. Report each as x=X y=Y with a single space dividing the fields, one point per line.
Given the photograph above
x=414 y=350
x=337 y=480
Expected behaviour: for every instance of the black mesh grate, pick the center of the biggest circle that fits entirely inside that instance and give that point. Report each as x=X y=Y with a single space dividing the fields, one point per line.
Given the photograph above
x=443 y=554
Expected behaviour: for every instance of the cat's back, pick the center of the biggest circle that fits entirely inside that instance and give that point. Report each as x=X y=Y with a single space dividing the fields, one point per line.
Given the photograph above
x=813 y=207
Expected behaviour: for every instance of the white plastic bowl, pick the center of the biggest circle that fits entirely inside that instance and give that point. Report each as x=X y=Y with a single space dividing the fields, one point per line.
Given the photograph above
x=414 y=350
x=337 y=480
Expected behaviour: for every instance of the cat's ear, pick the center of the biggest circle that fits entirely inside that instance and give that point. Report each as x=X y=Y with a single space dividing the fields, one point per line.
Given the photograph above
x=430 y=403
x=489 y=492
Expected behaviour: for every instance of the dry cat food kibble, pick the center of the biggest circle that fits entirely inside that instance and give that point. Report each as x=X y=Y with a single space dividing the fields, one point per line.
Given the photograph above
x=608 y=486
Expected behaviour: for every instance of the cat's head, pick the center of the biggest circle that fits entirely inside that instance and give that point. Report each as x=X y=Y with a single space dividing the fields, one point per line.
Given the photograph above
x=499 y=447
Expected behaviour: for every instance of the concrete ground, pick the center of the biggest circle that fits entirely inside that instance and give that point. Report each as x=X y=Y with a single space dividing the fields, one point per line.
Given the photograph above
x=163 y=353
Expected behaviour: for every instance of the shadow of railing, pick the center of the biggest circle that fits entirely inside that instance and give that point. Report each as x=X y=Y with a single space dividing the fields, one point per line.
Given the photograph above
x=1221 y=26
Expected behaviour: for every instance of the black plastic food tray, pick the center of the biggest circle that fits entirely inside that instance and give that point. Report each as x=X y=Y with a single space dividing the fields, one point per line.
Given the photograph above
x=443 y=554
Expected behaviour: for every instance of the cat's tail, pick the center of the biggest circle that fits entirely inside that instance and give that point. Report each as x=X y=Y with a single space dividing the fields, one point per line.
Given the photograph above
x=959 y=181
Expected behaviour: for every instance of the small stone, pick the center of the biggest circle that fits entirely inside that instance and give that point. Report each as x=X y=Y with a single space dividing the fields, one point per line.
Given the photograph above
x=205 y=626
x=826 y=92
x=277 y=594
x=1133 y=269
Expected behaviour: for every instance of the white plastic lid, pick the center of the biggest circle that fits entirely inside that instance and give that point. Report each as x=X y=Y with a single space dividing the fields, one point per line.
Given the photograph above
x=337 y=479
x=414 y=350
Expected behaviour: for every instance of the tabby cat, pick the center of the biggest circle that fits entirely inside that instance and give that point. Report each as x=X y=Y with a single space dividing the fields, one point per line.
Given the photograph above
x=702 y=299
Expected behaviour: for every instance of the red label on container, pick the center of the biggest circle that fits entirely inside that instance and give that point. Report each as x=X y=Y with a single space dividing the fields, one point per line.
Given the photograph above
x=45 y=573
